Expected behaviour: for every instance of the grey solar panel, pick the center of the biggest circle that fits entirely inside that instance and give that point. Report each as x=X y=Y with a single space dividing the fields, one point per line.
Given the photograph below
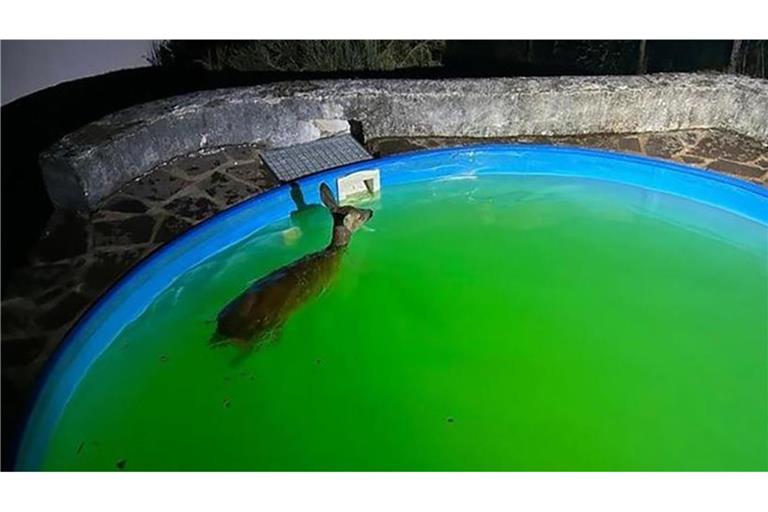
x=294 y=162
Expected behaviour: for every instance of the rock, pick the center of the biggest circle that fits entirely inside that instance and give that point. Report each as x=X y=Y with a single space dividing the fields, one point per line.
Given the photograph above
x=226 y=190
x=330 y=127
x=194 y=165
x=107 y=266
x=123 y=204
x=65 y=236
x=629 y=144
x=692 y=159
x=731 y=147
x=384 y=147
x=749 y=171
x=170 y=228
x=133 y=230
x=663 y=145
x=156 y=186
x=34 y=282
x=254 y=173
x=195 y=208
x=65 y=311
x=242 y=153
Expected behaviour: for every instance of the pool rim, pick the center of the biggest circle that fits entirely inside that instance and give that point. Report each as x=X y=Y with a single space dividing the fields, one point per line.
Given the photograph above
x=28 y=456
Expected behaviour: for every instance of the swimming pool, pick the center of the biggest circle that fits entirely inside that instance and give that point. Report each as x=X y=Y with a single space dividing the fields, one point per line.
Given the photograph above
x=510 y=307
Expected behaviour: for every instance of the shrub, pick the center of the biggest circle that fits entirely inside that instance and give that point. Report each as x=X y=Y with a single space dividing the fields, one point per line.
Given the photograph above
x=297 y=56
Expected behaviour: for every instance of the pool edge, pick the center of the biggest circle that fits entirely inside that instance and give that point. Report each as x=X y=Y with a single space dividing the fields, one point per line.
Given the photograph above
x=28 y=456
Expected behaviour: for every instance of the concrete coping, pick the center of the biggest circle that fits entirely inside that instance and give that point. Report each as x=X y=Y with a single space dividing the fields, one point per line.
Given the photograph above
x=86 y=166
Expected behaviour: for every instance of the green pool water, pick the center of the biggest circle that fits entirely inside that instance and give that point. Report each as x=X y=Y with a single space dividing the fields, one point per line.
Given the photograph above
x=496 y=323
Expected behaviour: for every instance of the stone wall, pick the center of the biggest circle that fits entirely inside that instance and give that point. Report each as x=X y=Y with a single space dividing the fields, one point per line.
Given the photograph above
x=86 y=166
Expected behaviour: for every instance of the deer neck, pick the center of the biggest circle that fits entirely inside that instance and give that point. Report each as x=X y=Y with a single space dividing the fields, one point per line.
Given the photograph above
x=340 y=238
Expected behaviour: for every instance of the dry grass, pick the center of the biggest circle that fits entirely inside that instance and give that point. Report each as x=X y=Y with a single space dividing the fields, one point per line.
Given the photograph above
x=297 y=56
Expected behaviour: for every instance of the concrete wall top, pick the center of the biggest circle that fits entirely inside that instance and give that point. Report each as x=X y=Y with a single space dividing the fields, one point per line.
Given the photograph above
x=87 y=165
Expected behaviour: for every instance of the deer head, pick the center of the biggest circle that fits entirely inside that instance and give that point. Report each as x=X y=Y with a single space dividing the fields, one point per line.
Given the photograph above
x=346 y=219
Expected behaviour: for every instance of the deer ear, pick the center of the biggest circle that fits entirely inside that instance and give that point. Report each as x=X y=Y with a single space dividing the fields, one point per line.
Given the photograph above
x=327 y=197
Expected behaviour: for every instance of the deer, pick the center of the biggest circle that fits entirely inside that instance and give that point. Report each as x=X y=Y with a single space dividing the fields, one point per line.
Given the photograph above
x=262 y=309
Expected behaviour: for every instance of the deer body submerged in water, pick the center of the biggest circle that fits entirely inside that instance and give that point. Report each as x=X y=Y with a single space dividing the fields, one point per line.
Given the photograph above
x=268 y=302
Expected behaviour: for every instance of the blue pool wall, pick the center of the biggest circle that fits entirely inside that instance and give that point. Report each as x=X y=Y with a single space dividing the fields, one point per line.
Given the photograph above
x=129 y=298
